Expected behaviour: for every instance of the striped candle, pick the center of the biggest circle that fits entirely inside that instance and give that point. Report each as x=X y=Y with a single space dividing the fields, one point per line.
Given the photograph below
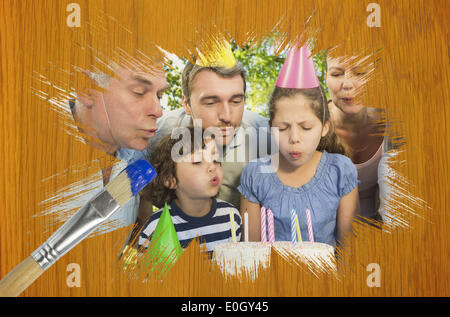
x=293 y=226
x=263 y=224
x=299 y=233
x=309 y=222
x=233 y=232
x=270 y=226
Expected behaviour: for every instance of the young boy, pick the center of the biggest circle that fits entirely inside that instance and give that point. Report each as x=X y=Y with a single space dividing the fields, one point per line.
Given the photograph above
x=188 y=180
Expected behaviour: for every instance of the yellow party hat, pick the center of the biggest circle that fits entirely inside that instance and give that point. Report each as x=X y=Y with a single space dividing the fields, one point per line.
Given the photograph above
x=220 y=56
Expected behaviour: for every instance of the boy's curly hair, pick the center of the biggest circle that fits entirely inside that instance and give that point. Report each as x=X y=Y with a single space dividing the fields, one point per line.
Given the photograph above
x=161 y=159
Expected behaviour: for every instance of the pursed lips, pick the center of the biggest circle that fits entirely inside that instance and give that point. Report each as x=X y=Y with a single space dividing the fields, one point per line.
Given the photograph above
x=295 y=154
x=347 y=98
x=214 y=180
x=149 y=132
x=227 y=130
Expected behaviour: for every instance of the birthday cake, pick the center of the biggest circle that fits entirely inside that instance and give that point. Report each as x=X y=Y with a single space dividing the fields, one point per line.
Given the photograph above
x=318 y=255
x=234 y=258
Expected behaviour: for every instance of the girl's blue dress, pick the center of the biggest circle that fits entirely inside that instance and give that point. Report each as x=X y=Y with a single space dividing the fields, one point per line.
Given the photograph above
x=335 y=177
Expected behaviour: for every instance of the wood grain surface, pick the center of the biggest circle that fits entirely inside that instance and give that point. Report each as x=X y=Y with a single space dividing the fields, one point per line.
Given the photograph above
x=39 y=157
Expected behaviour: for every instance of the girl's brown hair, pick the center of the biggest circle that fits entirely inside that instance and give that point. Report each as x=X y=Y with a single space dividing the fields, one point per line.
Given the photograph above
x=330 y=142
x=161 y=159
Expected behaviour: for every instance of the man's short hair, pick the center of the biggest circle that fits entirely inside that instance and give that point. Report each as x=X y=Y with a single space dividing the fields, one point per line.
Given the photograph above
x=191 y=70
x=101 y=80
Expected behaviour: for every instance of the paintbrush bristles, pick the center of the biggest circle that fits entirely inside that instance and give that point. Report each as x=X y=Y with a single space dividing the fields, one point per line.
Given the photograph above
x=120 y=188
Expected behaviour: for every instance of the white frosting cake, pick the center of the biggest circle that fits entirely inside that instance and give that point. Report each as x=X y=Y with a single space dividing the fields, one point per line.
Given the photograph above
x=234 y=258
x=315 y=254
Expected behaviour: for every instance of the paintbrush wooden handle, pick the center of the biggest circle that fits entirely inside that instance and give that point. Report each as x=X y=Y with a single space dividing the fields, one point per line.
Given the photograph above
x=22 y=276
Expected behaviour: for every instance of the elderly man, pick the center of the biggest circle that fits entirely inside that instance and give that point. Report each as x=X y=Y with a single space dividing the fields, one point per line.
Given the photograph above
x=120 y=121
x=214 y=96
x=124 y=116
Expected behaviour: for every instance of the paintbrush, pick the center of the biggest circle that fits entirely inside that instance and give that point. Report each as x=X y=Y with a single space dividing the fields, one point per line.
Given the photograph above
x=116 y=193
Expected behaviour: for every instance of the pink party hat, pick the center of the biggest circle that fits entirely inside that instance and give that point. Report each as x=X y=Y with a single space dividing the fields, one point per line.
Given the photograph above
x=298 y=70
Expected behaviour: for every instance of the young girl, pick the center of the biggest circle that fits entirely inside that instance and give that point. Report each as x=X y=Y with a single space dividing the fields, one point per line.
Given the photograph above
x=188 y=182
x=311 y=174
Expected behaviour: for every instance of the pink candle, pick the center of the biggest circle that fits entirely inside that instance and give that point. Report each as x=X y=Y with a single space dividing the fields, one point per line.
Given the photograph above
x=270 y=225
x=263 y=224
x=309 y=222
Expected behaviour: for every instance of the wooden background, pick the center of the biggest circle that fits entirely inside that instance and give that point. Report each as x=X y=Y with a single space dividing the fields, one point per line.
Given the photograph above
x=39 y=157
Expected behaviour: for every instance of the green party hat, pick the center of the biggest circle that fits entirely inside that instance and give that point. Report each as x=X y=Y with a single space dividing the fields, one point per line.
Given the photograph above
x=164 y=248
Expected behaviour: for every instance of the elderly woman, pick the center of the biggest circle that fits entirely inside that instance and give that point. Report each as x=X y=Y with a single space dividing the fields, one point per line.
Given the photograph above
x=359 y=130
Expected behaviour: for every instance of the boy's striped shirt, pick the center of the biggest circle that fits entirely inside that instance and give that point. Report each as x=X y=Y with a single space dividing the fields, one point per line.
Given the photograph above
x=212 y=229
